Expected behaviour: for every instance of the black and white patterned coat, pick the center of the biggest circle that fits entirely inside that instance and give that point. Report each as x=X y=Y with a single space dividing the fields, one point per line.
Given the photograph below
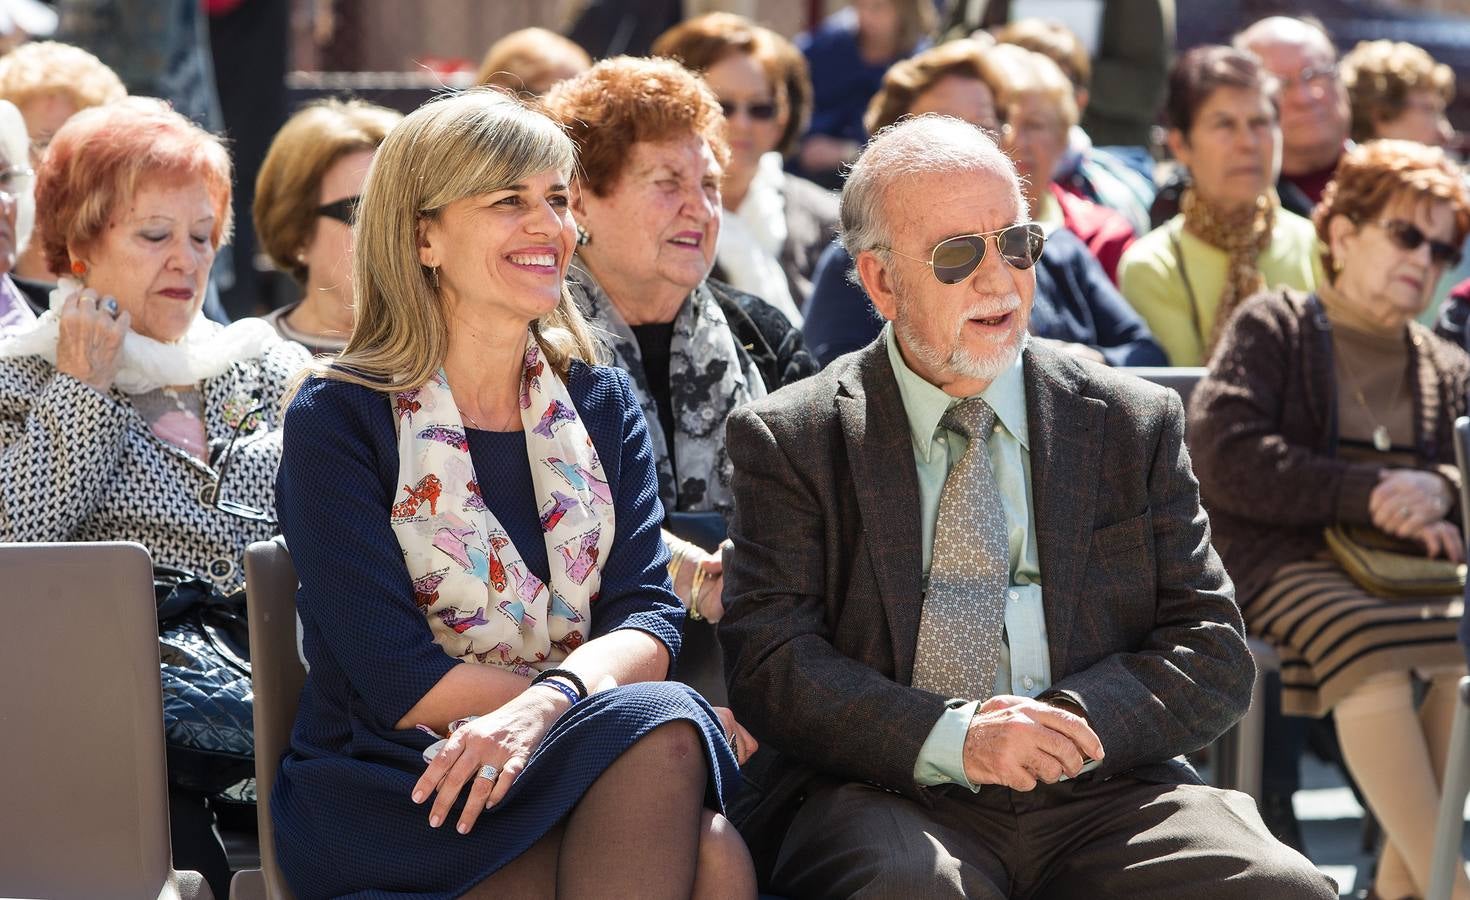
x=77 y=465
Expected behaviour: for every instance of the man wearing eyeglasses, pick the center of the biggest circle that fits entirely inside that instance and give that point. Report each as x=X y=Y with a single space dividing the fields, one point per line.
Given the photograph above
x=974 y=607
x=1315 y=116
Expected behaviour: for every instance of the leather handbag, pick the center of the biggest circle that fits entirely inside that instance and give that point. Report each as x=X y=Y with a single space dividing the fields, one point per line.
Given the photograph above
x=204 y=663
x=1388 y=567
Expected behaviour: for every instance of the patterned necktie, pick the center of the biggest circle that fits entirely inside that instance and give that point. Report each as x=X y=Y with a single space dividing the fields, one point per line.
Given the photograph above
x=964 y=609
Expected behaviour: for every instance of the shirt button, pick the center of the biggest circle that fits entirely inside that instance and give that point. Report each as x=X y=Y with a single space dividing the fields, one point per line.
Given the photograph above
x=221 y=568
x=1013 y=595
x=1028 y=682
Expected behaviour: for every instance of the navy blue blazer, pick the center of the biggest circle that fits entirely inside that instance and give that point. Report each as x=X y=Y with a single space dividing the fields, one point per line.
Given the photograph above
x=1075 y=301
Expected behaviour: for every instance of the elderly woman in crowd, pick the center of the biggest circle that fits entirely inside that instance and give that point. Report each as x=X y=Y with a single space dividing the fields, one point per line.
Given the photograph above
x=17 y=217
x=651 y=155
x=51 y=82
x=505 y=582
x=848 y=54
x=1040 y=111
x=1397 y=90
x=1075 y=303
x=121 y=406
x=1231 y=238
x=1083 y=169
x=530 y=61
x=1337 y=409
x=776 y=225
x=305 y=195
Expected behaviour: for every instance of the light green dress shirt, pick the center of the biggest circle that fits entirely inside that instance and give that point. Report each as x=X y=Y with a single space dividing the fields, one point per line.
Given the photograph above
x=1024 y=667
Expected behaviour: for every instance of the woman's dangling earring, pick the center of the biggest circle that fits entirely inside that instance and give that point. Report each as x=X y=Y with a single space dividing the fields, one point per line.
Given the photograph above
x=583 y=237
x=434 y=276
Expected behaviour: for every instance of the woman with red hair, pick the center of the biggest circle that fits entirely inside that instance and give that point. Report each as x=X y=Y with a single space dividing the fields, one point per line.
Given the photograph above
x=121 y=407
x=1327 y=422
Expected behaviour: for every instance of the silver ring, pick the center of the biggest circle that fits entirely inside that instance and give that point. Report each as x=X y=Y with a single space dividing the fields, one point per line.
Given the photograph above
x=488 y=772
x=734 y=741
x=109 y=306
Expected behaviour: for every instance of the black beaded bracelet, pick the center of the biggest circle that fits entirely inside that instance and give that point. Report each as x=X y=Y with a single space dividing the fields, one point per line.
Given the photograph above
x=563 y=673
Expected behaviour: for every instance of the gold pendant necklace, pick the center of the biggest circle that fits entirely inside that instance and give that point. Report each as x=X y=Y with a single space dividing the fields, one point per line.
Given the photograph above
x=1381 y=440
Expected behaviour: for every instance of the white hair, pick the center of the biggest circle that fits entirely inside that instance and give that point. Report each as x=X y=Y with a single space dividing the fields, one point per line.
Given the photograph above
x=916 y=146
x=1283 y=30
x=15 y=146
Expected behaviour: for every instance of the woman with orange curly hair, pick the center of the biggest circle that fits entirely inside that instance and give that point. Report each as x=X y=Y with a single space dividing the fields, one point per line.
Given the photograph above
x=1336 y=410
x=652 y=151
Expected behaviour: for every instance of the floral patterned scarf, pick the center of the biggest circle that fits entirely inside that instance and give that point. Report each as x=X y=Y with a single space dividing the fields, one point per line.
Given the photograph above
x=482 y=602
x=709 y=376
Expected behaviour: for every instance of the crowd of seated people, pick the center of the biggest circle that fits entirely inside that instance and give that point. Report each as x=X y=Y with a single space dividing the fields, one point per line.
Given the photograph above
x=598 y=348
x=1076 y=304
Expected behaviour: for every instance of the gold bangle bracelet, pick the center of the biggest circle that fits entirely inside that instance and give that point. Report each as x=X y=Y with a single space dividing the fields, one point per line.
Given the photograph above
x=699 y=576
x=676 y=561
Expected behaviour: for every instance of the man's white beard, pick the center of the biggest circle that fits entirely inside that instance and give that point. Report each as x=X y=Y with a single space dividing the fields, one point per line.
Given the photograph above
x=959 y=361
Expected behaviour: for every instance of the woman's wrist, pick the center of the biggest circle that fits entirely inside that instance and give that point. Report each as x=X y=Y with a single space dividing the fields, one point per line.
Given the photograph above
x=567 y=692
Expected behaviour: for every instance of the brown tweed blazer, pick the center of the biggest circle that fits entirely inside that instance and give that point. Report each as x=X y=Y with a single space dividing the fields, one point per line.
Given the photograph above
x=824 y=596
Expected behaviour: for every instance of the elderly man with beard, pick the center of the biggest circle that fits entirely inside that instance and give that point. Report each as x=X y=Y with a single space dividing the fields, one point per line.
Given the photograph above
x=1315 y=115
x=975 y=616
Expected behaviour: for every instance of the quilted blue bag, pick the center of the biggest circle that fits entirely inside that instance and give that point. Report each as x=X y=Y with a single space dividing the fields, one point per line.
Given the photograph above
x=204 y=663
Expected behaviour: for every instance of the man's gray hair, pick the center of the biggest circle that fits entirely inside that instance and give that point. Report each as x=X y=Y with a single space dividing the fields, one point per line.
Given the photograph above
x=1286 y=30
x=916 y=146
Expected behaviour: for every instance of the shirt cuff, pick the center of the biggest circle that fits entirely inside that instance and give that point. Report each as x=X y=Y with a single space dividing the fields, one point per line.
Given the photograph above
x=942 y=758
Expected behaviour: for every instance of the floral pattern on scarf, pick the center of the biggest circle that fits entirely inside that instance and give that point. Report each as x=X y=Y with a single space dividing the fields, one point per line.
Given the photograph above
x=709 y=376
x=482 y=601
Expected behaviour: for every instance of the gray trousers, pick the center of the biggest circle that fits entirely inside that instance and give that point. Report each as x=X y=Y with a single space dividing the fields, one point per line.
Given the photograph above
x=1083 y=839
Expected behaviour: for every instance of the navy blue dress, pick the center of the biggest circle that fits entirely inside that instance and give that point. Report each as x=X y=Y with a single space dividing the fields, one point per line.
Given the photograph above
x=344 y=822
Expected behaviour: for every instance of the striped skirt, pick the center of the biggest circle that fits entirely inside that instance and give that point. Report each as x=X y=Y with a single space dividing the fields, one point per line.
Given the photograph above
x=1332 y=634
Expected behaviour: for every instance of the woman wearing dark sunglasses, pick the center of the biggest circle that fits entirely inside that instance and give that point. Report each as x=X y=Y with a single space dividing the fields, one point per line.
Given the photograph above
x=305 y=197
x=1338 y=408
x=776 y=225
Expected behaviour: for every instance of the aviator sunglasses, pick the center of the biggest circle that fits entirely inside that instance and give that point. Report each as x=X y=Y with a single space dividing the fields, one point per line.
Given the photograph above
x=1408 y=237
x=343 y=210
x=955 y=259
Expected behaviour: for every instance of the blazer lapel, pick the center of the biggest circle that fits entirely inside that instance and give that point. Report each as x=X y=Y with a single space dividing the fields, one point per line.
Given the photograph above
x=876 y=429
x=1066 y=457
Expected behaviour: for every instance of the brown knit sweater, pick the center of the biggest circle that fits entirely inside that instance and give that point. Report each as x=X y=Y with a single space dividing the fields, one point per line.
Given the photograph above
x=1263 y=434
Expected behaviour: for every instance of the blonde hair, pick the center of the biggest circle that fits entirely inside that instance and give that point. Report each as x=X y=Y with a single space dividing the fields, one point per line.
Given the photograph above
x=49 y=67
x=906 y=80
x=1028 y=73
x=453 y=147
x=528 y=60
x=1380 y=76
x=290 y=180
